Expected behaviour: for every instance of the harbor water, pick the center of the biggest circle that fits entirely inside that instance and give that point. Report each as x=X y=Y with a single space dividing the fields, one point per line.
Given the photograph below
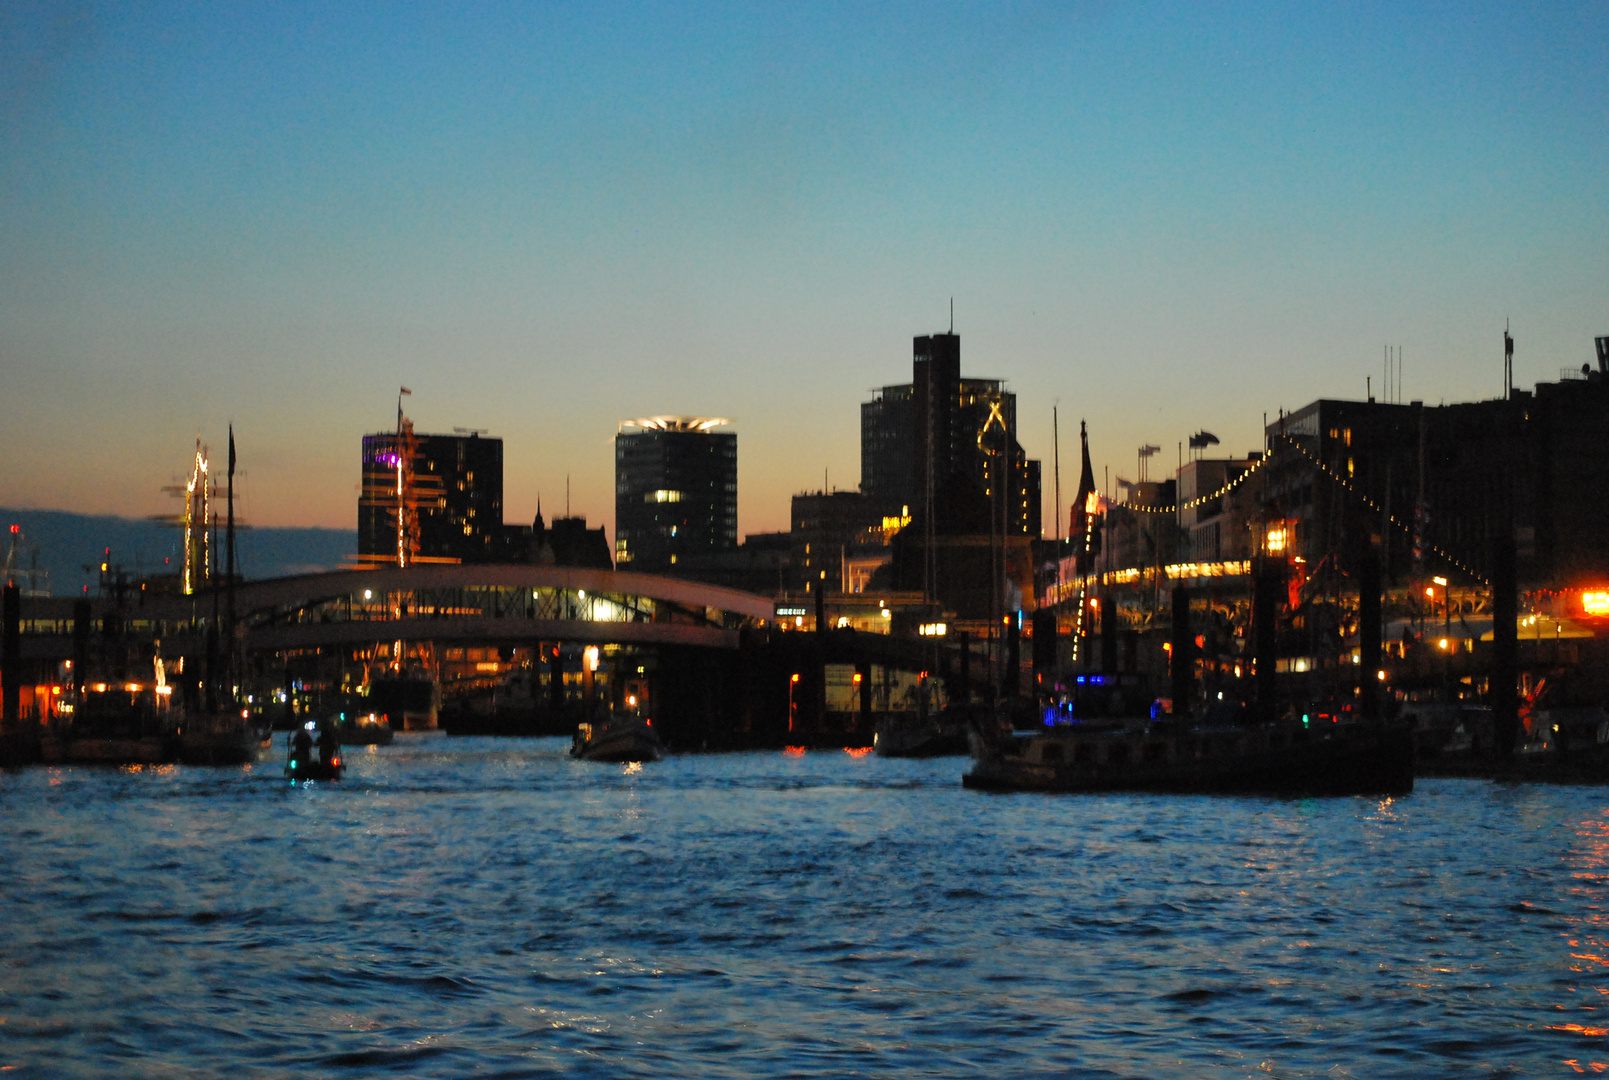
x=489 y=907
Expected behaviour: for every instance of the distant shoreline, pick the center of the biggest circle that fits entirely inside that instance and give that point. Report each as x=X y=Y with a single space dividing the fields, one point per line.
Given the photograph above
x=70 y=547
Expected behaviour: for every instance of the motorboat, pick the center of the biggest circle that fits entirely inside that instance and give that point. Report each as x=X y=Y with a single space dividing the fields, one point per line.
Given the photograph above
x=619 y=737
x=366 y=729
x=1281 y=759
x=309 y=764
x=936 y=735
x=227 y=737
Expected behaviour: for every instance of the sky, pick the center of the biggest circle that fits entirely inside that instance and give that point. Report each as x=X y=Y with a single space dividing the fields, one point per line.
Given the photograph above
x=545 y=219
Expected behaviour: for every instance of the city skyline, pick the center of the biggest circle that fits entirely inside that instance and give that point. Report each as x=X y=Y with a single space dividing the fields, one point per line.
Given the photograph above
x=544 y=222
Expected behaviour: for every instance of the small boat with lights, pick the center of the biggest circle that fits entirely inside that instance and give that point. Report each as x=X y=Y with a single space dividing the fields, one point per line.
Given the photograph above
x=303 y=763
x=620 y=737
x=364 y=729
x=1346 y=759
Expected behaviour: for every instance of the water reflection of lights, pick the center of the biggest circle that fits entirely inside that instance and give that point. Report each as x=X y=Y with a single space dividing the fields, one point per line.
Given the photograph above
x=857 y=751
x=1595 y=1066
x=633 y=767
x=794 y=751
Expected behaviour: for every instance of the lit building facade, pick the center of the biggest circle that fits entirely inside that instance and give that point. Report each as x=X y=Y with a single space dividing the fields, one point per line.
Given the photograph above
x=923 y=438
x=430 y=498
x=675 y=491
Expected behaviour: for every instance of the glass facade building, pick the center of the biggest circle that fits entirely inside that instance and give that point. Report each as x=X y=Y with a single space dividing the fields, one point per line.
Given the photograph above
x=675 y=491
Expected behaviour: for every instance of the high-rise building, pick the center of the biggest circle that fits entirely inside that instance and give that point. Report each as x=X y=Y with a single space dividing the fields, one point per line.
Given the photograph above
x=675 y=491
x=920 y=440
x=430 y=498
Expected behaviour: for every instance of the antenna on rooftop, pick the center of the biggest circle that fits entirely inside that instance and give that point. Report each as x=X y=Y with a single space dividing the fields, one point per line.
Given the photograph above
x=952 y=314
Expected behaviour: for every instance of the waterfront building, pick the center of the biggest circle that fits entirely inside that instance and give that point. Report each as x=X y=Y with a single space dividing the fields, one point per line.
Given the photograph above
x=675 y=491
x=1217 y=516
x=430 y=498
x=567 y=542
x=837 y=538
x=1452 y=475
x=762 y=564
x=918 y=437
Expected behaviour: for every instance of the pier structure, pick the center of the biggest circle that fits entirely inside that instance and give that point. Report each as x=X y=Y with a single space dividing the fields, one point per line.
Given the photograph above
x=708 y=663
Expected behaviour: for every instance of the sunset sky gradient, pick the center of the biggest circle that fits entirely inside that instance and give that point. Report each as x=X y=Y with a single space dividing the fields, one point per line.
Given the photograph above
x=546 y=218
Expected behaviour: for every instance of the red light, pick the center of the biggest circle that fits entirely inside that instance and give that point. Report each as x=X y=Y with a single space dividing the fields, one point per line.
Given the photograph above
x=15 y=529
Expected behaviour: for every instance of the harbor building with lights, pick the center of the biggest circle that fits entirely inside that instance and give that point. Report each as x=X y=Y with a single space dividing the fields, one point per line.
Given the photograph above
x=675 y=491
x=430 y=498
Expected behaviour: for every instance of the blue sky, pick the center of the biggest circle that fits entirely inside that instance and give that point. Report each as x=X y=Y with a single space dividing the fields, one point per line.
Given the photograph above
x=545 y=219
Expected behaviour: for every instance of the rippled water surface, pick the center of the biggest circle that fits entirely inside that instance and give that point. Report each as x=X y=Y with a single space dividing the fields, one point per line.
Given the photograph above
x=487 y=907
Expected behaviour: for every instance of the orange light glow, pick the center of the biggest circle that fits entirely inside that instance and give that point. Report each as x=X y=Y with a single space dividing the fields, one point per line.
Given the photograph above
x=794 y=751
x=857 y=679
x=857 y=751
x=1595 y=602
x=794 y=678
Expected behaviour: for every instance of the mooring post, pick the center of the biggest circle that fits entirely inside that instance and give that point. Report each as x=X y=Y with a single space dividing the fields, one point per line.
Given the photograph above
x=1267 y=577
x=11 y=657
x=1369 y=632
x=1182 y=664
x=1108 y=635
x=1501 y=682
x=82 y=628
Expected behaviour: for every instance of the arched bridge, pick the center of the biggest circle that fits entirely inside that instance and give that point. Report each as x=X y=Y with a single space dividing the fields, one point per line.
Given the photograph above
x=492 y=603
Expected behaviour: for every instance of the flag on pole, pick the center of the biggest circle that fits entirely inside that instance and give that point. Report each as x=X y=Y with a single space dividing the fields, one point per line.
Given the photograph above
x=231 y=449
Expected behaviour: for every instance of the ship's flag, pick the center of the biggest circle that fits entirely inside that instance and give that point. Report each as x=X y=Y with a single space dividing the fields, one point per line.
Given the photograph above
x=231 y=450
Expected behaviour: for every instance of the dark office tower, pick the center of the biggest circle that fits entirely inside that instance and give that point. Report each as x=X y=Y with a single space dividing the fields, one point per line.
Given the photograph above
x=887 y=453
x=430 y=498
x=675 y=491
x=948 y=437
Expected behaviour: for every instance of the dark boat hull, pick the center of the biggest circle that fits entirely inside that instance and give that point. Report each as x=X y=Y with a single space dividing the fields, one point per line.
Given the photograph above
x=365 y=734
x=147 y=750
x=314 y=770
x=920 y=741
x=1356 y=760
x=619 y=742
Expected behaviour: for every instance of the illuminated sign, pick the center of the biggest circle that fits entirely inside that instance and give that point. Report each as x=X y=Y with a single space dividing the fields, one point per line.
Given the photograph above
x=1595 y=602
x=789 y=611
